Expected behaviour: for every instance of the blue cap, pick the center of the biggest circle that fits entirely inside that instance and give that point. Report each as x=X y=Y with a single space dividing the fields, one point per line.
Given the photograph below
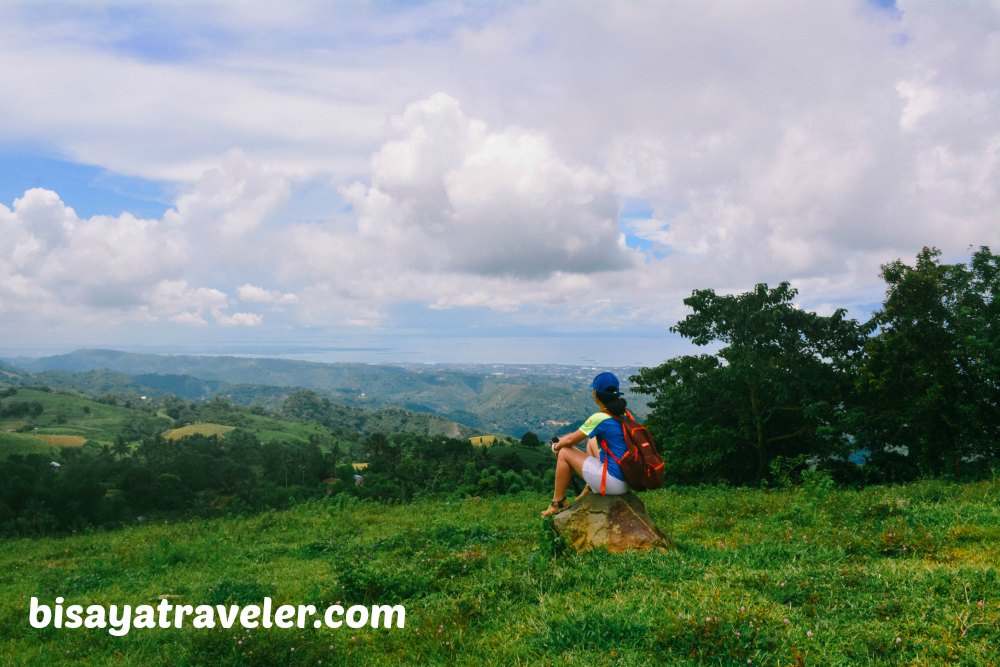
x=606 y=383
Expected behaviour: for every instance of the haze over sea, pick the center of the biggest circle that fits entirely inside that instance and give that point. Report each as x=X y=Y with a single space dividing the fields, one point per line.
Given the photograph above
x=603 y=351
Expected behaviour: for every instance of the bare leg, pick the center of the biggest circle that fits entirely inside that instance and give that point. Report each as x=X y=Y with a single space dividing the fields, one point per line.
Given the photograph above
x=569 y=460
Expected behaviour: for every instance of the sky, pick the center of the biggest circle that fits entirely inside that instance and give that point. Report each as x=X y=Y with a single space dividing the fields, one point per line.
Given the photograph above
x=476 y=181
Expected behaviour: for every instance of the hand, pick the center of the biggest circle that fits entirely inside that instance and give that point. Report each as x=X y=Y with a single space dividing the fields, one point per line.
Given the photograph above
x=555 y=443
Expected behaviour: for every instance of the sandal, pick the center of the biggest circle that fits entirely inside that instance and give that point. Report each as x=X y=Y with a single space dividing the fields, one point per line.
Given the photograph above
x=555 y=507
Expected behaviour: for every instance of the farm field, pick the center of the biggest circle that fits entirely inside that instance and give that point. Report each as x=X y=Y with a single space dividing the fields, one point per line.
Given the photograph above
x=198 y=429
x=68 y=414
x=71 y=420
x=804 y=576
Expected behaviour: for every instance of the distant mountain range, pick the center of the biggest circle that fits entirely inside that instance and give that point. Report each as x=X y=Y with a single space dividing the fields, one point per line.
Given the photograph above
x=501 y=399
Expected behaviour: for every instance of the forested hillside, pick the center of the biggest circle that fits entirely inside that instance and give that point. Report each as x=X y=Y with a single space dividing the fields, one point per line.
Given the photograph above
x=70 y=462
x=788 y=396
x=511 y=400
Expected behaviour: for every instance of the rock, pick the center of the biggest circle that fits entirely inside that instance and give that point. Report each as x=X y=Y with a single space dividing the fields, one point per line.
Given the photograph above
x=614 y=522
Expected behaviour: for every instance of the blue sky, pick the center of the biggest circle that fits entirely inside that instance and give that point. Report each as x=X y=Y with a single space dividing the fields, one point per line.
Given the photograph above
x=515 y=181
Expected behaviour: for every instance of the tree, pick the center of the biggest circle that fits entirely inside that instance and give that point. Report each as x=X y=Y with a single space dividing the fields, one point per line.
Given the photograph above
x=121 y=447
x=931 y=381
x=306 y=405
x=530 y=439
x=779 y=386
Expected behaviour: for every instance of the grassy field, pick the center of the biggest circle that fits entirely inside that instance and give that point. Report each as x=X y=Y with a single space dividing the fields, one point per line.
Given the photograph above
x=70 y=420
x=200 y=429
x=20 y=443
x=809 y=576
x=69 y=414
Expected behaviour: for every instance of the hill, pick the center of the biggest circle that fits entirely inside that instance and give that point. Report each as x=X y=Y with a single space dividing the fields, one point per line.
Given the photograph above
x=34 y=420
x=47 y=412
x=808 y=576
x=498 y=399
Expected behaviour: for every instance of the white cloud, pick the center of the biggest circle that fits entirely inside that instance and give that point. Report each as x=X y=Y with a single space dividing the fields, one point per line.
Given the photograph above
x=254 y=294
x=921 y=99
x=775 y=140
x=232 y=201
x=188 y=318
x=238 y=319
x=102 y=262
x=454 y=196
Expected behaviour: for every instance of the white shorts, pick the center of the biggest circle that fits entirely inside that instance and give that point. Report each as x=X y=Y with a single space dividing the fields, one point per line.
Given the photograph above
x=592 y=471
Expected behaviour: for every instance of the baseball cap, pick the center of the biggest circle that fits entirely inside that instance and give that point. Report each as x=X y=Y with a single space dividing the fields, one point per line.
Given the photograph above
x=606 y=383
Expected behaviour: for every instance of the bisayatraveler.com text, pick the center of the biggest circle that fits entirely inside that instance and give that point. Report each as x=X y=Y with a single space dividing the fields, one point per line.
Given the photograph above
x=118 y=620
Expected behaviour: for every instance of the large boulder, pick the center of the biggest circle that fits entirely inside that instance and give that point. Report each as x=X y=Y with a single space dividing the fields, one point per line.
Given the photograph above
x=614 y=522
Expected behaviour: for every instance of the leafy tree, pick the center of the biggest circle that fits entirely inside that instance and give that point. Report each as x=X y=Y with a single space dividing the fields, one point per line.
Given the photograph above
x=306 y=405
x=931 y=380
x=121 y=447
x=778 y=386
x=531 y=439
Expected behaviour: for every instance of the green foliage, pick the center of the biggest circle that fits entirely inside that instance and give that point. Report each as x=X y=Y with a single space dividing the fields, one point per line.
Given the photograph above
x=931 y=377
x=777 y=386
x=436 y=399
x=914 y=392
x=204 y=475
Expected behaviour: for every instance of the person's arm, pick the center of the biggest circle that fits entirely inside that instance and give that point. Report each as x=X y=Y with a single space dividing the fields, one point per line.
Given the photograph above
x=574 y=438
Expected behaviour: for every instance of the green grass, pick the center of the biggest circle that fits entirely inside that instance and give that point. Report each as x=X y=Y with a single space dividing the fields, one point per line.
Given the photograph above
x=18 y=443
x=814 y=576
x=199 y=429
x=70 y=414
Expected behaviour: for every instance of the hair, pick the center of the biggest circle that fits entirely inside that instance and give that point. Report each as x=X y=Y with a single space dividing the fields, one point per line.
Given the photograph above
x=613 y=402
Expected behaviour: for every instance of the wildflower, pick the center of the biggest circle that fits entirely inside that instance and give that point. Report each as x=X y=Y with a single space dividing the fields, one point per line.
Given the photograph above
x=899 y=639
x=809 y=633
x=980 y=604
x=787 y=621
x=738 y=634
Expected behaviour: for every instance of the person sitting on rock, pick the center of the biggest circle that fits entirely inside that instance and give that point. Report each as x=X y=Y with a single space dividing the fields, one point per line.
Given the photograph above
x=590 y=465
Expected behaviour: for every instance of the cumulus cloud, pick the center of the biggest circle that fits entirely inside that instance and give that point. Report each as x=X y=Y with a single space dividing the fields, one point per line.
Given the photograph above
x=765 y=141
x=231 y=202
x=99 y=261
x=254 y=294
x=453 y=195
x=56 y=266
x=238 y=319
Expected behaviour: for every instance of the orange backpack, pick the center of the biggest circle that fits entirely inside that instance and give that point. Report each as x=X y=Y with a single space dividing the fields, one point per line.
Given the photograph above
x=641 y=465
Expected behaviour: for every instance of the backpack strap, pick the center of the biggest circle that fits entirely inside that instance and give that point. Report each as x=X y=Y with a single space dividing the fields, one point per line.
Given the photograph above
x=604 y=476
x=607 y=450
x=604 y=472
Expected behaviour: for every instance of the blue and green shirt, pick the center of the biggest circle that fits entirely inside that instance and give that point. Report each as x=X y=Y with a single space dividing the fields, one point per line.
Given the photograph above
x=606 y=428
